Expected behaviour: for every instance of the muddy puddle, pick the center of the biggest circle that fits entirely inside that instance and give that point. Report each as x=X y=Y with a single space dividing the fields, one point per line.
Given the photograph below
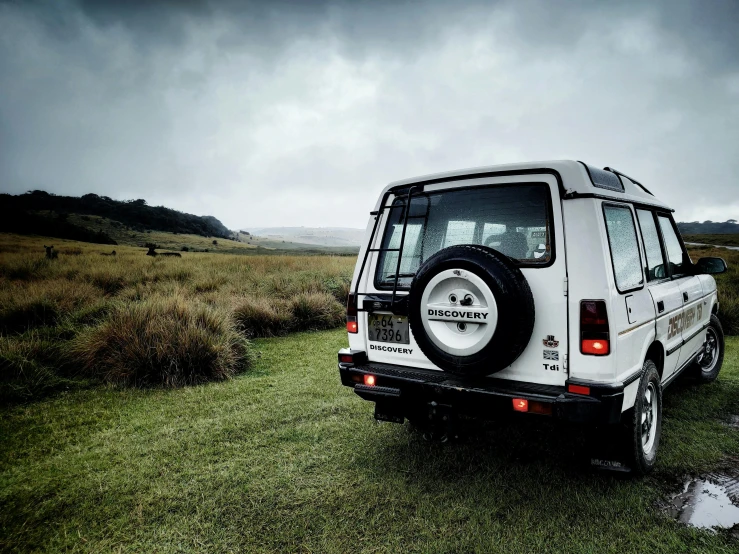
x=710 y=501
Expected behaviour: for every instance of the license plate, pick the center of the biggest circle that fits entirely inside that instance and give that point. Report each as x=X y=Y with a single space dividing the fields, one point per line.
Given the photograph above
x=388 y=328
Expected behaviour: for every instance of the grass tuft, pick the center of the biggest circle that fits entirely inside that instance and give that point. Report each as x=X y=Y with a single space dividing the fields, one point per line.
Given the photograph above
x=42 y=302
x=263 y=317
x=162 y=341
x=316 y=311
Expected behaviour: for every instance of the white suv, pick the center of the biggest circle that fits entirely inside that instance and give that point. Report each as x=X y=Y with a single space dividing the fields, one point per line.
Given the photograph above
x=552 y=288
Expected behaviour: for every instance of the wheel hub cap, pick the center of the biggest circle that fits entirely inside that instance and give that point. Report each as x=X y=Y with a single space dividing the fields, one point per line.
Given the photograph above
x=459 y=312
x=649 y=418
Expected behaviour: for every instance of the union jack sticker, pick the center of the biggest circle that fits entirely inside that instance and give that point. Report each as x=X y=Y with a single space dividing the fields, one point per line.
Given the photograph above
x=551 y=355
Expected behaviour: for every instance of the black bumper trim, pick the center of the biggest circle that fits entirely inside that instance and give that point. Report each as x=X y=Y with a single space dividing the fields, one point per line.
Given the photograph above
x=413 y=389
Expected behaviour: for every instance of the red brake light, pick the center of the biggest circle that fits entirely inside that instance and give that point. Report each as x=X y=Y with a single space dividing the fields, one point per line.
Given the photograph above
x=351 y=326
x=346 y=358
x=520 y=405
x=594 y=337
x=598 y=347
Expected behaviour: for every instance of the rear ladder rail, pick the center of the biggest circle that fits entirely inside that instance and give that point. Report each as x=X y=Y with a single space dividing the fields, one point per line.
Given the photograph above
x=378 y=216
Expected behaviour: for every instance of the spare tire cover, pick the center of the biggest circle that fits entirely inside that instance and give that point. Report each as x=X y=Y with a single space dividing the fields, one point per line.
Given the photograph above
x=471 y=310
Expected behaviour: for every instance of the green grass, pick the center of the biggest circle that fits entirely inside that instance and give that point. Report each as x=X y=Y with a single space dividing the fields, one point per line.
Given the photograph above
x=284 y=459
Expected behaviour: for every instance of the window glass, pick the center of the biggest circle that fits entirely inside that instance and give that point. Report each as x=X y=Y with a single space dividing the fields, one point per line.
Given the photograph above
x=673 y=246
x=459 y=232
x=604 y=179
x=655 y=268
x=624 y=247
x=511 y=219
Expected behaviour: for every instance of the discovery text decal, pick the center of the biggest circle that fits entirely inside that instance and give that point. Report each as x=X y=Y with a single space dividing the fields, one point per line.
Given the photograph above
x=391 y=349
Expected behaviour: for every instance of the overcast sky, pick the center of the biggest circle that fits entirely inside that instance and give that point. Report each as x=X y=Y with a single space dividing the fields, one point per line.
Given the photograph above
x=298 y=113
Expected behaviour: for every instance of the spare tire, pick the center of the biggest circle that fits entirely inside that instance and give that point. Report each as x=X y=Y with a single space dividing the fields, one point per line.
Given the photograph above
x=471 y=310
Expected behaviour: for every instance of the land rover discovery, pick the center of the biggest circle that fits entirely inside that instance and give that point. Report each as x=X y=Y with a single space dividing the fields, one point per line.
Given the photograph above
x=555 y=289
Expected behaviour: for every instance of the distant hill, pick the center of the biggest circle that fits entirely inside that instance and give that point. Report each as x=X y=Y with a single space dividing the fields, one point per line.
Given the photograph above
x=315 y=236
x=729 y=227
x=20 y=213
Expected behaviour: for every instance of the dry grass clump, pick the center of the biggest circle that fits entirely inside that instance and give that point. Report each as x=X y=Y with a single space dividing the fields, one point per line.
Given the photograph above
x=162 y=341
x=315 y=311
x=40 y=303
x=269 y=317
x=263 y=317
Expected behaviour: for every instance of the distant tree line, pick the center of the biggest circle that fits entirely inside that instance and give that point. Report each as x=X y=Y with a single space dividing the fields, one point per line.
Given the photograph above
x=137 y=214
x=14 y=221
x=709 y=227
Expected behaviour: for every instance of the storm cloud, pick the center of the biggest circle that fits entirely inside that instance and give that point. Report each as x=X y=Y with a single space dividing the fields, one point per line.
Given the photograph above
x=297 y=113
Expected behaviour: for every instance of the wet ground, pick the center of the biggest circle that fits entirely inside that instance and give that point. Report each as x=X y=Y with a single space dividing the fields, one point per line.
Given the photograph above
x=709 y=501
x=714 y=245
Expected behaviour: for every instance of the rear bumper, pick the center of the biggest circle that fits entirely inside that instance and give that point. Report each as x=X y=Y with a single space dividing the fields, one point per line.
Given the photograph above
x=408 y=391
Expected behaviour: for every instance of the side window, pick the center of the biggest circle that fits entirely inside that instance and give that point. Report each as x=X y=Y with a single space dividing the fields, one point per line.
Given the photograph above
x=655 y=268
x=624 y=247
x=674 y=249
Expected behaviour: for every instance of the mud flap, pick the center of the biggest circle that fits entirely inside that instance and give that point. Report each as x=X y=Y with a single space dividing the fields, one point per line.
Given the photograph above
x=605 y=451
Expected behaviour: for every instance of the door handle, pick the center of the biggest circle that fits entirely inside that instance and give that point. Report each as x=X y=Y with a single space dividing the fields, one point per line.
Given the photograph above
x=685 y=297
x=660 y=306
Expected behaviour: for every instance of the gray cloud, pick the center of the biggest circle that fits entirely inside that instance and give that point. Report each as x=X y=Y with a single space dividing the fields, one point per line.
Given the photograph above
x=297 y=113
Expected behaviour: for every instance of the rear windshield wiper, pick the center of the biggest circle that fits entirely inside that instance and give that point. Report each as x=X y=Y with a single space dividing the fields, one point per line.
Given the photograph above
x=399 y=276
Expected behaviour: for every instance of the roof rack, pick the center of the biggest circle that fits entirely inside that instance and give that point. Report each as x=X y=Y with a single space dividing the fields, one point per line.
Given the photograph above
x=645 y=189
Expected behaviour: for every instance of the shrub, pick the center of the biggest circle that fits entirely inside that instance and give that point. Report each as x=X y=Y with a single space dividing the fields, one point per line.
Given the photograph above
x=162 y=341
x=314 y=311
x=264 y=317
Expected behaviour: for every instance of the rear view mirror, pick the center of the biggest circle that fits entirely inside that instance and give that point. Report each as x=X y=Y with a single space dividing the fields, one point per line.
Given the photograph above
x=710 y=266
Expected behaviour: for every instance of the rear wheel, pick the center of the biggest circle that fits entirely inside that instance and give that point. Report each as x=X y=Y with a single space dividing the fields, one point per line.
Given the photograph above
x=711 y=358
x=643 y=423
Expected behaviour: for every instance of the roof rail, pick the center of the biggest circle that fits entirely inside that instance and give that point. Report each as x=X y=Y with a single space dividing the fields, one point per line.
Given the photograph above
x=645 y=189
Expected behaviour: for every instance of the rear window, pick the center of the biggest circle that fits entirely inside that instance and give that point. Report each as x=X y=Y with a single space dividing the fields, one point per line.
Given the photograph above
x=514 y=220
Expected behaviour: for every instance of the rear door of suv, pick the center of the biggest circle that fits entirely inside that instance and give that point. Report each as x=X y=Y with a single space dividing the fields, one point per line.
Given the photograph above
x=483 y=211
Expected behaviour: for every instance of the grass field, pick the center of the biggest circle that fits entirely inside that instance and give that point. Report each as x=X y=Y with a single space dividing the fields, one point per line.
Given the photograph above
x=721 y=240
x=130 y=318
x=727 y=284
x=246 y=244
x=284 y=459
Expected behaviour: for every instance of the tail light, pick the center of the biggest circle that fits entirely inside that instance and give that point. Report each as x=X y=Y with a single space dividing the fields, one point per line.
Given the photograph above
x=594 y=337
x=351 y=314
